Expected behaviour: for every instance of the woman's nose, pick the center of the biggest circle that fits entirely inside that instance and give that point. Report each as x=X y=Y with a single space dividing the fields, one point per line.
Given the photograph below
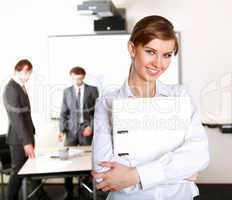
x=157 y=62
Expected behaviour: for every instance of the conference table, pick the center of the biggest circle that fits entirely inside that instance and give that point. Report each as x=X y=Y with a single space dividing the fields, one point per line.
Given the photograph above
x=47 y=164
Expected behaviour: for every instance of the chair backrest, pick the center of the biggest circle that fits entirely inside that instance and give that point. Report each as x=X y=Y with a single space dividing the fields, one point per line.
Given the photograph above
x=4 y=153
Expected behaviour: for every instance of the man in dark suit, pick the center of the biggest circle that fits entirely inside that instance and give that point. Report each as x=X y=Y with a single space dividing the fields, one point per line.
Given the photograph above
x=76 y=118
x=21 y=129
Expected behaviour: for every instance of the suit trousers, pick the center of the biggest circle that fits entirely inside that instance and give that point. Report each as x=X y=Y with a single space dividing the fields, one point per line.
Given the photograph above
x=76 y=137
x=79 y=139
x=18 y=158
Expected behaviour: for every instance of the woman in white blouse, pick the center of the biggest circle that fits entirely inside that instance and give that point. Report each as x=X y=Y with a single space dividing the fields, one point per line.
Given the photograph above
x=170 y=176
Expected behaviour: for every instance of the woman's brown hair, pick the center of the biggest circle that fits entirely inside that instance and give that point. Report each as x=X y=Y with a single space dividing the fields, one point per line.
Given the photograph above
x=152 y=27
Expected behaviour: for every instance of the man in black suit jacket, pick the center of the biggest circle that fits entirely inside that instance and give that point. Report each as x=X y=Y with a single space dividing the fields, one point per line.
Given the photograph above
x=21 y=129
x=76 y=118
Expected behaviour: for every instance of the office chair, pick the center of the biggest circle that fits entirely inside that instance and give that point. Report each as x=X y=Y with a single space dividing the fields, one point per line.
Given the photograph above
x=5 y=162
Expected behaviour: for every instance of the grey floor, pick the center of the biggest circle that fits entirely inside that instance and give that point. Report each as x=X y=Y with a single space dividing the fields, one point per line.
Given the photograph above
x=210 y=192
x=56 y=192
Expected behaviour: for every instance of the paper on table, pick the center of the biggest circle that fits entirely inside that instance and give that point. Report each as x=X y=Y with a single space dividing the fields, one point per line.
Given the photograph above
x=55 y=154
x=75 y=151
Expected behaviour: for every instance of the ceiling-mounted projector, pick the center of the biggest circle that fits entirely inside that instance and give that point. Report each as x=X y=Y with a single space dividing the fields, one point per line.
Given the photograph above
x=99 y=8
x=110 y=18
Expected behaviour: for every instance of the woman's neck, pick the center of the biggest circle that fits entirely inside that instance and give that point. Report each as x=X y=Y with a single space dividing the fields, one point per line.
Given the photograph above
x=140 y=87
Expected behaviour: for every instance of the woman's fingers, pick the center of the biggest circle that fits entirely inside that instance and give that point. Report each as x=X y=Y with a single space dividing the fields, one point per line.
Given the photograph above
x=107 y=164
x=102 y=185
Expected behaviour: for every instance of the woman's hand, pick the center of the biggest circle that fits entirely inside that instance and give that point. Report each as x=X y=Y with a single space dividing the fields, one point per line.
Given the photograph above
x=117 y=177
x=192 y=178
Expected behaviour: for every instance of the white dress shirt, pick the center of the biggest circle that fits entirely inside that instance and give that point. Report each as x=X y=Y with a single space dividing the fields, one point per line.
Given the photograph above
x=163 y=178
x=82 y=90
x=17 y=80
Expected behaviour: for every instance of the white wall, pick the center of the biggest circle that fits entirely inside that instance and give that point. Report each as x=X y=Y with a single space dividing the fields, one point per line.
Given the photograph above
x=206 y=32
x=25 y=29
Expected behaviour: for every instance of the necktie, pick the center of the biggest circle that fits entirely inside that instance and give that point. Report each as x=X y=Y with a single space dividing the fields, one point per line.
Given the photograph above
x=78 y=105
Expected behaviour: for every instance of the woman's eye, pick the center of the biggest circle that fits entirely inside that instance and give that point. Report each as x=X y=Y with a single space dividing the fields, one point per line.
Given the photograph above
x=150 y=52
x=167 y=55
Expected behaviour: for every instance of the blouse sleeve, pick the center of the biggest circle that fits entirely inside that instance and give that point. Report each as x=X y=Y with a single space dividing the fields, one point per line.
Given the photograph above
x=189 y=158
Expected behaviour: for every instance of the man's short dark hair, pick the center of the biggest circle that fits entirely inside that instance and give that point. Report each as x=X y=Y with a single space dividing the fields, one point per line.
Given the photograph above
x=20 y=65
x=77 y=71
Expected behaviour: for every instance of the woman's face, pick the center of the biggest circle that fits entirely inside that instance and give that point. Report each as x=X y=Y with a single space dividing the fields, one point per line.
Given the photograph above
x=151 y=60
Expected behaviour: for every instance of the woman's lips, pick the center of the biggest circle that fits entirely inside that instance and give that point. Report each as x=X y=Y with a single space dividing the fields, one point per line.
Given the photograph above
x=153 y=72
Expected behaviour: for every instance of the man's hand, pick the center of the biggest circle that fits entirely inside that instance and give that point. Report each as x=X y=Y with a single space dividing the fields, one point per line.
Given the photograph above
x=192 y=178
x=29 y=151
x=61 y=137
x=87 y=131
x=117 y=177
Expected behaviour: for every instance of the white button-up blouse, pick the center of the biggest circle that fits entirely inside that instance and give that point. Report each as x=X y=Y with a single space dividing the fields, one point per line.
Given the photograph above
x=164 y=177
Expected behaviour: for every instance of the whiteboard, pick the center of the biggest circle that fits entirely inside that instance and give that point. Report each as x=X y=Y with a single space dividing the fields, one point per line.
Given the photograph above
x=104 y=57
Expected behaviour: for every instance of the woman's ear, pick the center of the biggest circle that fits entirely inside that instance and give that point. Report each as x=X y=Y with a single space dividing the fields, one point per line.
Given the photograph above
x=131 y=49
